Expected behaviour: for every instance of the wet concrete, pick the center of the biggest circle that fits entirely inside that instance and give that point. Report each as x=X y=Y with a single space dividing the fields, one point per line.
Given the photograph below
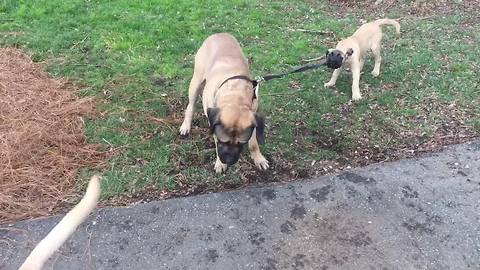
x=421 y=213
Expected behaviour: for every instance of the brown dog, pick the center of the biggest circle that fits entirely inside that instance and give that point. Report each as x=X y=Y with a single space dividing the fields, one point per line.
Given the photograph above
x=229 y=101
x=353 y=50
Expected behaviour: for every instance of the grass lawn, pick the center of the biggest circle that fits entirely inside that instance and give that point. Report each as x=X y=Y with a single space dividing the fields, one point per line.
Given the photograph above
x=136 y=57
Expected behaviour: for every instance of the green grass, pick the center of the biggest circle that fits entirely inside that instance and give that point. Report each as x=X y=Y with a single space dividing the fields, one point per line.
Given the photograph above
x=136 y=57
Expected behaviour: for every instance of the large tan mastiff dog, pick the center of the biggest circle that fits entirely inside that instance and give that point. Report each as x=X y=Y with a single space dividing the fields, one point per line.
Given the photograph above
x=353 y=50
x=229 y=101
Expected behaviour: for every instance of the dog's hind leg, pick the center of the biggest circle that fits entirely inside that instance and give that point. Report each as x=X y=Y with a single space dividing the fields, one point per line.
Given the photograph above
x=376 y=50
x=362 y=63
x=334 y=77
x=260 y=161
x=196 y=85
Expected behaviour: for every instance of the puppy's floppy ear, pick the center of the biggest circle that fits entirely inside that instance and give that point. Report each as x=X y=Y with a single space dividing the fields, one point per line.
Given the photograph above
x=349 y=52
x=212 y=114
x=260 y=129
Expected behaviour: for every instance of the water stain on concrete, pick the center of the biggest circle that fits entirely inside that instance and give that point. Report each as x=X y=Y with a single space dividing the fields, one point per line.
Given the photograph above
x=256 y=239
x=270 y=264
x=360 y=239
x=122 y=243
x=287 y=227
x=356 y=178
x=155 y=210
x=474 y=147
x=212 y=255
x=298 y=212
x=127 y=225
x=113 y=262
x=299 y=261
x=234 y=213
x=351 y=191
x=231 y=247
x=269 y=194
x=408 y=192
x=320 y=194
x=417 y=226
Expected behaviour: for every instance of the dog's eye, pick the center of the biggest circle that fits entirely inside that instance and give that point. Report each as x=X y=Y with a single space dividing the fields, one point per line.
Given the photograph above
x=222 y=135
x=244 y=137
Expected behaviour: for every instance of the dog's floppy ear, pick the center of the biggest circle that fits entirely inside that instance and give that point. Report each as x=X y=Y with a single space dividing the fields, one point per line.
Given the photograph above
x=260 y=129
x=212 y=114
x=349 y=52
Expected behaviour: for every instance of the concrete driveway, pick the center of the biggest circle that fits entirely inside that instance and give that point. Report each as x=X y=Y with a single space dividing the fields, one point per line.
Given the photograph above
x=421 y=213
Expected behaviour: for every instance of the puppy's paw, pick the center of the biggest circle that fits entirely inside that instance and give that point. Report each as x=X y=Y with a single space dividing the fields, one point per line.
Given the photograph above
x=356 y=97
x=185 y=129
x=220 y=167
x=261 y=162
x=375 y=73
x=328 y=84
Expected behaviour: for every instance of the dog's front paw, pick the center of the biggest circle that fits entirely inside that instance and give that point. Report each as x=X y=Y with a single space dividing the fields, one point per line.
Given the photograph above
x=356 y=97
x=220 y=167
x=261 y=162
x=328 y=84
x=375 y=73
x=185 y=129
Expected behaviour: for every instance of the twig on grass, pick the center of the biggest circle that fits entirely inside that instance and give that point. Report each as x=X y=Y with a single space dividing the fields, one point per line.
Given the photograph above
x=284 y=93
x=329 y=33
x=83 y=40
x=313 y=59
x=318 y=32
x=167 y=123
x=413 y=18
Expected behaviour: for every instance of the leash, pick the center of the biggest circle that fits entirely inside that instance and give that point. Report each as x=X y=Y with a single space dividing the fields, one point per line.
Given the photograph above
x=323 y=62
x=256 y=82
x=295 y=70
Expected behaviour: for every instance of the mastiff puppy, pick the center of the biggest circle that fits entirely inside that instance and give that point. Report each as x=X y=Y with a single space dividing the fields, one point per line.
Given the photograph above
x=353 y=50
x=229 y=101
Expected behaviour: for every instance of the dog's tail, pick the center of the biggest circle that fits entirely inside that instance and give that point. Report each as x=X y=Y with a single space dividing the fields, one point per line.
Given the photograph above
x=380 y=22
x=59 y=234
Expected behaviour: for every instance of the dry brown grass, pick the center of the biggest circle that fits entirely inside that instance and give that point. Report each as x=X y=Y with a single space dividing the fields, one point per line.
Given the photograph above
x=42 y=142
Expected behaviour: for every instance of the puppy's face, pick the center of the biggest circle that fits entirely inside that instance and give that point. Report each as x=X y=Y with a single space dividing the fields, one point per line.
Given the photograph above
x=335 y=58
x=233 y=129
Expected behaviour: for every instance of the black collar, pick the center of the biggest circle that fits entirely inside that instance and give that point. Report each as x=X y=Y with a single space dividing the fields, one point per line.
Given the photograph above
x=243 y=77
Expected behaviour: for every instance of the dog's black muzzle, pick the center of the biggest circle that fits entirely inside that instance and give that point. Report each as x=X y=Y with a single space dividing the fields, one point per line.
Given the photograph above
x=229 y=153
x=334 y=59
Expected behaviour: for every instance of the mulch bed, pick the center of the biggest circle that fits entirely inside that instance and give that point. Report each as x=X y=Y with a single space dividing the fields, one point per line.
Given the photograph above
x=42 y=141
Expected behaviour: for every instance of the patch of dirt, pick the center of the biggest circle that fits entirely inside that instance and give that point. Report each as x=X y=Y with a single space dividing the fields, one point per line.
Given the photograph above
x=42 y=141
x=436 y=124
x=416 y=9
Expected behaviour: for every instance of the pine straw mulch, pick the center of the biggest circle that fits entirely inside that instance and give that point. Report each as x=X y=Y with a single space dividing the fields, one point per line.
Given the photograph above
x=42 y=141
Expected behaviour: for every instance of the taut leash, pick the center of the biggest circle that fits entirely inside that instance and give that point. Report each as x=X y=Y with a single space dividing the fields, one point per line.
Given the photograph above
x=256 y=82
x=295 y=70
